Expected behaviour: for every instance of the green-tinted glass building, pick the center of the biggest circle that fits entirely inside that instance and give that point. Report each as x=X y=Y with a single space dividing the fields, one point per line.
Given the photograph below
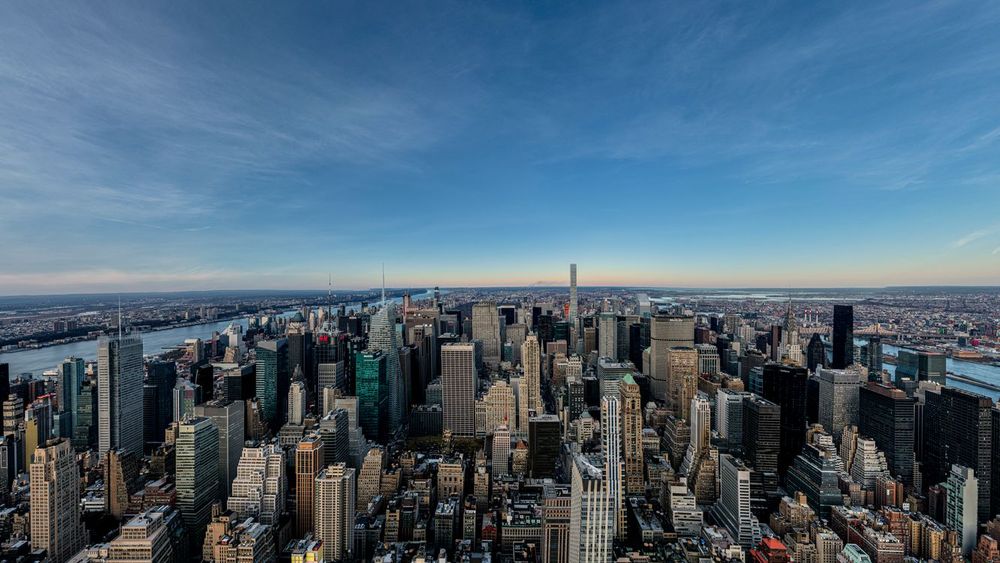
x=273 y=381
x=372 y=392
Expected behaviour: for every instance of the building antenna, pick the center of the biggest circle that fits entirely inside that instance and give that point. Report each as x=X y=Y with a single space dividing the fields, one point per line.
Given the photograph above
x=383 y=284
x=329 y=294
x=119 y=317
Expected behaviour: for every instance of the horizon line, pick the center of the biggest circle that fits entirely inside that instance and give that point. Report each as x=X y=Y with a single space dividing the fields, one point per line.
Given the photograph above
x=455 y=287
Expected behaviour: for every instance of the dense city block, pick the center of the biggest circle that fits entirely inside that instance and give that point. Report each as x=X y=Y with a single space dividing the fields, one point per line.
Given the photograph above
x=510 y=424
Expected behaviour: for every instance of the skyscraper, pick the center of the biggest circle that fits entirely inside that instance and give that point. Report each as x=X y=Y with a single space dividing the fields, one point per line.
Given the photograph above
x=162 y=376
x=371 y=388
x=838 y=399
x=632 y=435
x=334 y=511
x=843 y=336
x=875 y=358
x=119 y=393
x=762 y=433
x=701 y=425
x=729 y=416
x=382 y=336
x=501 y=408
x=786 y=386
x=71 y=375
x=961 y=505
x=197 y=475
x=273 y=381
x=592 y=512
x=458 y=388
x=921 y=365
x=85 y=433
x=186 y=396
x=55 y=501
x=297 y=398
x=531 y=353
x=486 y=328
x=300 y=349
x=369 y=478
x=261 y=484
x=958 y=430
x=501 y=452
x=815 y=472
x=733 y=508
x=682 y=379
x=121 y=473
x=572 y=294
x=607 y=336
x=611 y=448
x=815 y=352
x=666 y=332
x=544 y=440
x=556 y=517
x=308 y=462
x=228 y=417
x=886 y=415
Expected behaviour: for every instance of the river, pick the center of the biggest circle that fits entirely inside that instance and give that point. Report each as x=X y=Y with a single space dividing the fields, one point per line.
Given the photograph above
x=982 y=372
x=39 y=360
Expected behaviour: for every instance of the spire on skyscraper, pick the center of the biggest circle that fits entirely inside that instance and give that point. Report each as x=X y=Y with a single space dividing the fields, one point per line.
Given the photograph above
x=791 y=325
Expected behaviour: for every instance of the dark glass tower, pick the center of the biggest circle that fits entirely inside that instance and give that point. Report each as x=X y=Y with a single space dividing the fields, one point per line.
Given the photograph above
x=761 y=433
x=635 y=345
x=546 y=329
x=843 y=336
x=875 y=358
x=815 y=352
x=300 y=351
x=886 y=415
x=958 y=429
x=163 y=376
x=544 y=437
x=787 y=386
x=272 y=381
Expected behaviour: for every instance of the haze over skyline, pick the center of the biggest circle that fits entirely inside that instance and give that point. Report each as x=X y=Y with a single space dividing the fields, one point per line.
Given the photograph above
x=183 y=146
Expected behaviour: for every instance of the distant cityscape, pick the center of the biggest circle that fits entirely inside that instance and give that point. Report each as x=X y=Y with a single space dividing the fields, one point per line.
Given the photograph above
x=532 y=424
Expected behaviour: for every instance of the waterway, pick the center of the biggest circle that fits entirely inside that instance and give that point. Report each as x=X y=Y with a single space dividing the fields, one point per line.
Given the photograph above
x=983 y=372
x=39 y=360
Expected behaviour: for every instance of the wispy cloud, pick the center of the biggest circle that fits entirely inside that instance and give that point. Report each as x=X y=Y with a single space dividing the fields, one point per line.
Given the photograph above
x=973 y=236
x=113 y=110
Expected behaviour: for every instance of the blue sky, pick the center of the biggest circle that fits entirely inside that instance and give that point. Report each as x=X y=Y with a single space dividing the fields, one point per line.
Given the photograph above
x=189 y=145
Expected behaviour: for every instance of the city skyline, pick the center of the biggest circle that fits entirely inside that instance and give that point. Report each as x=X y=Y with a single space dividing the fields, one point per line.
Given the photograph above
x=166 y=147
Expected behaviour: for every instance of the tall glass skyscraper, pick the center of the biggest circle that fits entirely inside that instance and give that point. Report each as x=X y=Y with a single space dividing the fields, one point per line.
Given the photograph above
x=843 y=336
x=272 y=381
x=382 y=336
x=162 y=376
x=371 y=388
x=197 y=473
x=119 y=393
x=71 y=374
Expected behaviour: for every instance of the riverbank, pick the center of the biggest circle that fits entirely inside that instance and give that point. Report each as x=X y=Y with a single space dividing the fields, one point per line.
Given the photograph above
x=141 y=328
x=38 y=360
